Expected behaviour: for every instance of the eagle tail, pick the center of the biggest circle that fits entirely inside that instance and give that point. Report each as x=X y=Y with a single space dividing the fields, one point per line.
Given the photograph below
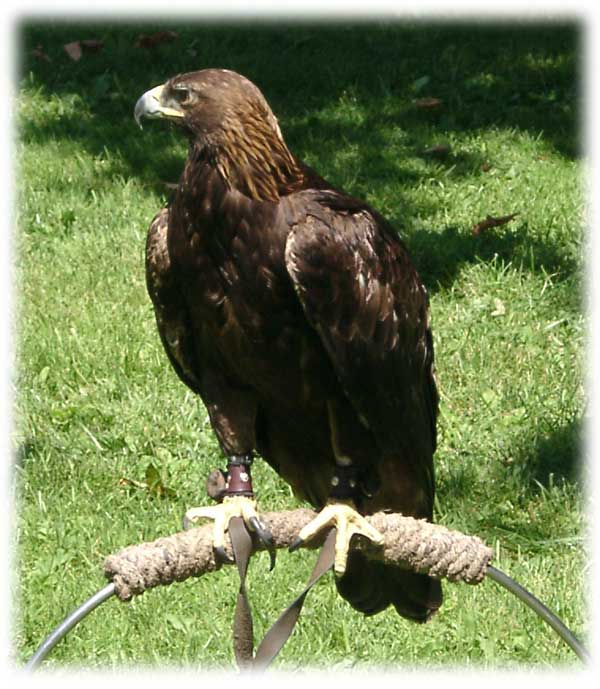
x=371 y=586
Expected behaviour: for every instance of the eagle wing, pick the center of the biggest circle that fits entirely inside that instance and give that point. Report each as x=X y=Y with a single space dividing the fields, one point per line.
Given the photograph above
x=171 y=314
x=362 y=294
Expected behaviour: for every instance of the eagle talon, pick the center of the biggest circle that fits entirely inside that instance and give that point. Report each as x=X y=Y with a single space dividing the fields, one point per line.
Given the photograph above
x=187 y=522
x=296 y=544
x=221 y=555
x=348 y=523
x=266 y=539
x=232 y=506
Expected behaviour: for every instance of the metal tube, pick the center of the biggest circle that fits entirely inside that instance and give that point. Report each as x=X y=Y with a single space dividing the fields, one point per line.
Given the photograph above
x=65 y=627
x=536 y=605
x=499 y=577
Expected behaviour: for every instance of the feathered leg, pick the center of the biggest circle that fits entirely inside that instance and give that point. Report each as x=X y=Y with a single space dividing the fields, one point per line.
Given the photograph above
x=232 y=412
x=340 y=510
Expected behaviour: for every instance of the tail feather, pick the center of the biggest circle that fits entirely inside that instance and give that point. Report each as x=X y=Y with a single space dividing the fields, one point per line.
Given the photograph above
x=370 y=587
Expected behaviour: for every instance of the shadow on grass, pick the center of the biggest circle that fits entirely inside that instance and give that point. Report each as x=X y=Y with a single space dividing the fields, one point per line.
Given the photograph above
x=519 y=76
x=556 y=456
x=439 y=256
x=551 y=459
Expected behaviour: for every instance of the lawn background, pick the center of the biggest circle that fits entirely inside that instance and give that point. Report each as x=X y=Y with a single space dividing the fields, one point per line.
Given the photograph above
x=110 y=448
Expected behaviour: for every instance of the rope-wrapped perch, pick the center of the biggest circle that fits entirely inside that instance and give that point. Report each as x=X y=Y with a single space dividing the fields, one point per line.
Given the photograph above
x=409 y=543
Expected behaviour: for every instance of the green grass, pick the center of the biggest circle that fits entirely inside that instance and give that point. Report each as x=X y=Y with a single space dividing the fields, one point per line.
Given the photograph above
x=97 y=403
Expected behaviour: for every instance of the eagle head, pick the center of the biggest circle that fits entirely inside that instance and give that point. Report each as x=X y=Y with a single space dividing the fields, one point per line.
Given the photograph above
x=226 y=114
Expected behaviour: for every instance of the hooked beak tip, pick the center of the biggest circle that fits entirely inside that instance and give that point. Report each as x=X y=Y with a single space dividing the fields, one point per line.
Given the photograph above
x=150 y=105
x=147 y=105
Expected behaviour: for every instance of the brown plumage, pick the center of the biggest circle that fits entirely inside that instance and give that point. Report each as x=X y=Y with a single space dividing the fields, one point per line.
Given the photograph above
x=295 y=312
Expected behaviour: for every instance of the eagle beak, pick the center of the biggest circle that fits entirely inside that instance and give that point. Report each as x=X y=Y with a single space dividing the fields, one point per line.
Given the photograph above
x=151 y=105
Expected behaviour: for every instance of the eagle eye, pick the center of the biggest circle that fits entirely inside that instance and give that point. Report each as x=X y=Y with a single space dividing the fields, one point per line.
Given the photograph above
x=181 y=94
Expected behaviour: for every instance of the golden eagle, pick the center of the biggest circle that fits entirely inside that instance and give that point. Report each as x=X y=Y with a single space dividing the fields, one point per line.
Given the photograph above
x=296 y=314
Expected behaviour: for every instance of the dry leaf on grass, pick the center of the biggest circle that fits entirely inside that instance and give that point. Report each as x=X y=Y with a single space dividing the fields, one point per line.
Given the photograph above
x=428 y=103
x=39 y=54
x=75 y=49
x=438 y=151
x=150 y=41
x=491 y=221
x=92 y=44
x=499 y=308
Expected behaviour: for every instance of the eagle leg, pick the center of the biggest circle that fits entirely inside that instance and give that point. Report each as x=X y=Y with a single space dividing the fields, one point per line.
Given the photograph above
x=238 y=501
x=340 y=512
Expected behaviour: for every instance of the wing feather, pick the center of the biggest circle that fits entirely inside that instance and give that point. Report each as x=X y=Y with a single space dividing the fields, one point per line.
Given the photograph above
x=362 y=294
x=172 y=319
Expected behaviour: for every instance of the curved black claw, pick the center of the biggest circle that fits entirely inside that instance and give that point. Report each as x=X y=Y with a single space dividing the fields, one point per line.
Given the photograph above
x=296 y=544
x=266 y=538
x=221 y=555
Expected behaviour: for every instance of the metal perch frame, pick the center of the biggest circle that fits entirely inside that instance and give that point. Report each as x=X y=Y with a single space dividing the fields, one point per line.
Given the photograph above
x=409 y=543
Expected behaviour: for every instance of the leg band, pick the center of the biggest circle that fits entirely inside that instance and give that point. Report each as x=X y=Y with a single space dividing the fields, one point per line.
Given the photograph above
x=344 y=482
x=239 y=479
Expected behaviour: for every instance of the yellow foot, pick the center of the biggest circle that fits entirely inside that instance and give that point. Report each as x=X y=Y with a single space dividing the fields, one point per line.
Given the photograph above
x=348 y=523
x=232 y=506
